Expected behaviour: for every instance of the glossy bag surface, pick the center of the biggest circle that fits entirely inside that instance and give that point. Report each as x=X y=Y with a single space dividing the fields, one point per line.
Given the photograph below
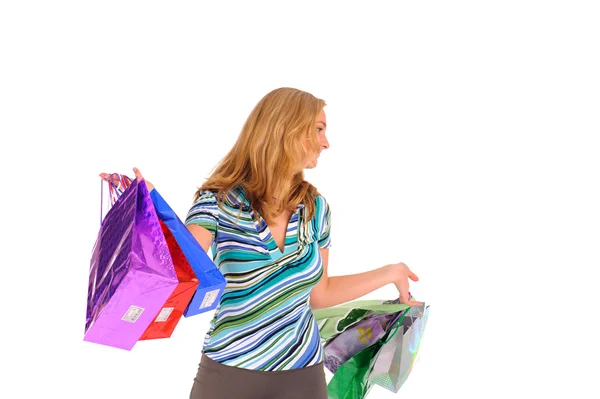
x=131 y=272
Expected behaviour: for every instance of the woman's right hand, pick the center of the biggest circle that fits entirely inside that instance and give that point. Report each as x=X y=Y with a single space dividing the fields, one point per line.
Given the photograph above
x=115 y=179
x=401 y=275
x=111 y=178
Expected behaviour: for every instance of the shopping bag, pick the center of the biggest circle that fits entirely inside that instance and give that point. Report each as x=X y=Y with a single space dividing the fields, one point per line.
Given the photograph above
x=396 y=357
x=350 y=363
x=350 y=380
x=211 y=283
x=354 y=339
x=168 y=317
x=335 y=320
x=131 y=271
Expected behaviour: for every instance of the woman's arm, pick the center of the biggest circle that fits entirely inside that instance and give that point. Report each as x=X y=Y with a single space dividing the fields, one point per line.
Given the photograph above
x=333 y=291
x=202 y=235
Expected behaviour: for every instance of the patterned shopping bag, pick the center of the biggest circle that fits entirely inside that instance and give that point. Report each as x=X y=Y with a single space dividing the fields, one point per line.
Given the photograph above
x=396 y=357
x=345 y=328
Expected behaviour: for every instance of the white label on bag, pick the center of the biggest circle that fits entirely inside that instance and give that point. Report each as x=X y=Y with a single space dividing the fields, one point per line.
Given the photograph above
x=164 y=314
x=209 y=299
x=133 y=314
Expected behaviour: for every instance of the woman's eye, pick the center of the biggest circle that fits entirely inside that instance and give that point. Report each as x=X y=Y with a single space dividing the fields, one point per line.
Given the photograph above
x=319 y=129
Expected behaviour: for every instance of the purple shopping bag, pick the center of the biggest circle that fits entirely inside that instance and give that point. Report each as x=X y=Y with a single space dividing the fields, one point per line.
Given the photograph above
x=131 y=272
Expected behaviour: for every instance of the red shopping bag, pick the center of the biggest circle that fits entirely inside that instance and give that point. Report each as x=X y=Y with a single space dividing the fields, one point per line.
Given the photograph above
x=165 y=322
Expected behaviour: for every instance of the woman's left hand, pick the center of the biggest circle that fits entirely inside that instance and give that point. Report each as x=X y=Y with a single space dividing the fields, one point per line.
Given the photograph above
x=400 y=274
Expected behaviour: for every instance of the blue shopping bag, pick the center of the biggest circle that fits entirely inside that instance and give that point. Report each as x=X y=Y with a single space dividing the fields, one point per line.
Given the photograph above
x=212 y=283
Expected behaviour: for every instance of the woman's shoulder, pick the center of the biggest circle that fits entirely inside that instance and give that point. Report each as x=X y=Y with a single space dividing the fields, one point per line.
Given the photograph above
x=321 y=203
x=206 y=195
x=233 y=197
x=320 y=213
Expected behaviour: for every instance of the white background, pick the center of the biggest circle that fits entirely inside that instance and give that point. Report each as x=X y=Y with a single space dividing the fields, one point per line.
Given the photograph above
x=463 y=142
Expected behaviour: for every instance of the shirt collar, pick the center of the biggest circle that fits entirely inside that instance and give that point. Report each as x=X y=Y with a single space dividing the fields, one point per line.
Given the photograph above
x=237 y=196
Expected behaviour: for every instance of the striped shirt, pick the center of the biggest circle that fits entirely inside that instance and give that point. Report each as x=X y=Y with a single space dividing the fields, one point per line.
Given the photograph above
x=263 y=320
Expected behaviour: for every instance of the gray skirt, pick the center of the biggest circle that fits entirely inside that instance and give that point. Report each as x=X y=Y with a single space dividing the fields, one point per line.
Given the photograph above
x=218 y=381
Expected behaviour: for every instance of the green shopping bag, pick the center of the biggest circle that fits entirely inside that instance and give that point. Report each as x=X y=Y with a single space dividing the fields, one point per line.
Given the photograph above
x=351 y=380
x=335 y=320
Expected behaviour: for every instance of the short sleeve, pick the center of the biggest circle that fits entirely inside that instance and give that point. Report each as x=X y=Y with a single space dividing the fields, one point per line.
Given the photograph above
x=205 y=212
x=324 y=219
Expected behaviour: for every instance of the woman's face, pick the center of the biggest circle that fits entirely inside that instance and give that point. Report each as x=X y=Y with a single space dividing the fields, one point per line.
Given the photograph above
x=320 y=129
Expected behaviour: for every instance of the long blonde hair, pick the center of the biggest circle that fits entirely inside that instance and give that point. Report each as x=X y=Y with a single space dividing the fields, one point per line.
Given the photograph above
x=267 y=158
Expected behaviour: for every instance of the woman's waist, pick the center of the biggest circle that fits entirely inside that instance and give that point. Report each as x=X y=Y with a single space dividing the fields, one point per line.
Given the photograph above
x=231 y=367
x=245 y=328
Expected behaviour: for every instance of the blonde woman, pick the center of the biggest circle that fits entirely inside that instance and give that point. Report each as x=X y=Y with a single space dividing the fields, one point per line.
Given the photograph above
x=269 y=232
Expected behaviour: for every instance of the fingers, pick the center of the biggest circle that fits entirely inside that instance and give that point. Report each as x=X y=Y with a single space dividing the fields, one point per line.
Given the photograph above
x=405 y=296
x=403 y=289
x=409 y=273
x=138 y=174
x=109 y=178
x=412 y=276
x=412 y=303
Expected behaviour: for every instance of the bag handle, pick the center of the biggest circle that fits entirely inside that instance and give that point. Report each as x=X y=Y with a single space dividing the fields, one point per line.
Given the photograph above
x=374 y=306
x=115 y=190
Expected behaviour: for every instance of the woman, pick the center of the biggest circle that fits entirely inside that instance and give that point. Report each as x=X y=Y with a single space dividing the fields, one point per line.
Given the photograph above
x=269 y=231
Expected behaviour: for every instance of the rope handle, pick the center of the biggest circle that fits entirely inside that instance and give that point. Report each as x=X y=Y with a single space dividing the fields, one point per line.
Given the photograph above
x=117 y=190
x=114 y=190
